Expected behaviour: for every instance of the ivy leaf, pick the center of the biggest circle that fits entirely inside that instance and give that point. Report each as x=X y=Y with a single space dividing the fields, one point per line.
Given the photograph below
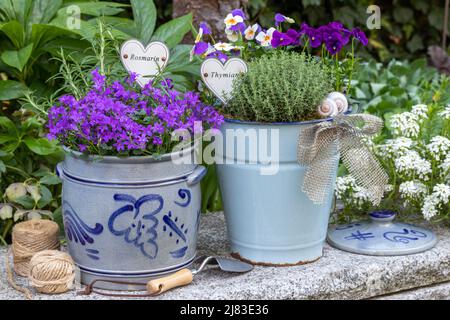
x=17 y=58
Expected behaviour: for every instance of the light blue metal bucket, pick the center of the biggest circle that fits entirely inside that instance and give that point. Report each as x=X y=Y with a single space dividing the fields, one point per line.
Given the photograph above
x=130 y=219
x=269 y=219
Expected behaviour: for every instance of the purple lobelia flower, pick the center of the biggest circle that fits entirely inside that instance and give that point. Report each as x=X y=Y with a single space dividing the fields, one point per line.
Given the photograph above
x=360 y=36
x=123 y=117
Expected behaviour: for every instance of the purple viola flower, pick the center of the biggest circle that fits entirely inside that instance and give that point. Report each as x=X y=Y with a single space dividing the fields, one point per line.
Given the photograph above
x=315 y=36
x=200 y=48
x=360 y=36
x=239 y=12
x=335 y=45
x=294 y=36
x=279 y=18
x=280 y=39
x=239 y=27
x=218 y=55
x=205 y=28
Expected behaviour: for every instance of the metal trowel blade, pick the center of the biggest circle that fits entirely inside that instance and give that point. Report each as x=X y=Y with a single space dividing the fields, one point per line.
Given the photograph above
x=231 y=265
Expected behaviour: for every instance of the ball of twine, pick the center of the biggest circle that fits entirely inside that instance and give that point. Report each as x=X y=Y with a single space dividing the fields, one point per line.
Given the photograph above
x=52 y=271
x=30 y=237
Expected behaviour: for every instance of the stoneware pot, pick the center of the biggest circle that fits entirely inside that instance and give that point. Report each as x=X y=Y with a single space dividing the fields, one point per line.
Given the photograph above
x=270 y=220
x=130 y=219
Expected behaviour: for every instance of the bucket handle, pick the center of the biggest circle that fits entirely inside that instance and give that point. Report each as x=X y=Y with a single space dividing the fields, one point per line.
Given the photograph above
x=58 y=170
x=196 y=176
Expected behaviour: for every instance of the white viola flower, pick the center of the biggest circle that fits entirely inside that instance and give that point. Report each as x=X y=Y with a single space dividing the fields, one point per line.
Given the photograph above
x=442 y=193
x=429 y=208
x=231 y=20
x=223 y=46
x=199 y=36
x=421 y=111
x=413 y=165
x=394 y=148
x=406 y=124
x=232 y=36
x=251 y=31
x=265 y=38
x=412 y=190
x=445 y=113
x=439 y=147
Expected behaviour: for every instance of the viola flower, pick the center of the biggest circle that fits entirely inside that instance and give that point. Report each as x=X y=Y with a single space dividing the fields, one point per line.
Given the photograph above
x=265 y=38
x=360 y=36
x=279 y=18
x=239 y=12
x=334 y=46
x=281 y=39
x=294 y=35
x=223 y=46
x=205 y=29
x=218 y=55
x=199 y=36
x=251 y=32
x=232 y=36
x=200 y=48
x=232 y=20
x=238 y=28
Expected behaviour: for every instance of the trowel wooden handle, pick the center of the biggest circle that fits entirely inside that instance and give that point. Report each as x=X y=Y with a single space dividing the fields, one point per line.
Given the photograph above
x=178 y=279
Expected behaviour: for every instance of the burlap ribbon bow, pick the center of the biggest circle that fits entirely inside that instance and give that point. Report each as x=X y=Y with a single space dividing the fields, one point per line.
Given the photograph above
x=320 y=145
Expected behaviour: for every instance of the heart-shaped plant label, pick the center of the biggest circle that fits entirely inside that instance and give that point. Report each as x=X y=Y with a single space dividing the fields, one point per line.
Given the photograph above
x=146 y=62
x=219 y=77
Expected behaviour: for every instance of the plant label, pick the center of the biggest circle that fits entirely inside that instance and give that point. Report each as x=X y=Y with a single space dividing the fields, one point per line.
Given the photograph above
x=146 y=62
x=218 y=77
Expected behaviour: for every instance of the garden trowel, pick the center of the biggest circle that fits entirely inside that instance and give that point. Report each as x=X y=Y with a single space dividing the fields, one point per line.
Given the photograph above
x=185 y=276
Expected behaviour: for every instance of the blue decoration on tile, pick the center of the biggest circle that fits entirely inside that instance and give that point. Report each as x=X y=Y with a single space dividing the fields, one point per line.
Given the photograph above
x=140 y=222
x=184 y=194
x=76 y=229
x=348 y=226
x=358 y=235
x=404 y=237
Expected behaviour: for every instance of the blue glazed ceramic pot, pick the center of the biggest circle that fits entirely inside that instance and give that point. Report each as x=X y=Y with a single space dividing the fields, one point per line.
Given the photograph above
x=130 y=219
x=269 y=219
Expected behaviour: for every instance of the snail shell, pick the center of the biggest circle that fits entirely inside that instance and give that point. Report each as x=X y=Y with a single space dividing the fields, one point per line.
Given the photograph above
x=340 y=100
x=328 y=108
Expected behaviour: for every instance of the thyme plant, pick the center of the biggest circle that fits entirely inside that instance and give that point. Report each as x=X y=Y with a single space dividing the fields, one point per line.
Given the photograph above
x=280 y=87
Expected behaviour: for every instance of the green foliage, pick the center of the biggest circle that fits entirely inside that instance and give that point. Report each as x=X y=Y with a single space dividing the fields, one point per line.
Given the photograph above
x=280 y=87
x=407 y=27
x=44 y=45
x=385 y=90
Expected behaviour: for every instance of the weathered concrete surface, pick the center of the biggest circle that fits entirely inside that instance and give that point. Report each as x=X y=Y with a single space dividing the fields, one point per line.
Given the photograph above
x=338 y=275
x=436 y=292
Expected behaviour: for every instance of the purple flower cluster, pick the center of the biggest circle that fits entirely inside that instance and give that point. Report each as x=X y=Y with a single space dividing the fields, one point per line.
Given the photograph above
x=122 y=117
x=333 y=35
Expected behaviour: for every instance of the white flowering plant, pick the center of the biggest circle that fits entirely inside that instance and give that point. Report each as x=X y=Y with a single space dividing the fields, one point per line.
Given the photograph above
x=417 y=159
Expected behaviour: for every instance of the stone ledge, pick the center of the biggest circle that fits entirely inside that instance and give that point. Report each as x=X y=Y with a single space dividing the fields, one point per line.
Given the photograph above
x=337 y=275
